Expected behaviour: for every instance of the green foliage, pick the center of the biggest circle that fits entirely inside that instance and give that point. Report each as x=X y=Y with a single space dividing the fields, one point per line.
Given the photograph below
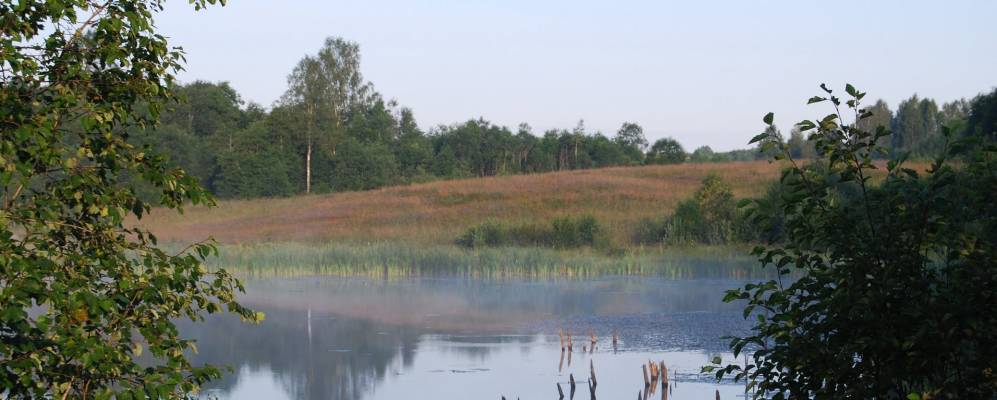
x=702 y=154
x=631 y=141
x=562 y=232
x=575 y=232
x=710 y=217
x=495 y=234
x=399 y=259
x=878 y=116
x=328 y=103
x=916 y=128
x=666 y=151
x=362 y=166
x=883 y=289
x=83 y=294
x=982 y=119
x=799 y=147
x=253 y=168
x=206 y=109
x=412 y=150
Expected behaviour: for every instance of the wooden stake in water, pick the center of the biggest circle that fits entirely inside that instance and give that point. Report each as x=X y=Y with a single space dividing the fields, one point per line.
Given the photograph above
x=664 y=376
x=592 y=370
x=646 y=381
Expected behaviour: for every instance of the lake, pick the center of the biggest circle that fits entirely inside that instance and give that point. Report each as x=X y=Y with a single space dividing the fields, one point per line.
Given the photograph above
x=459 y=338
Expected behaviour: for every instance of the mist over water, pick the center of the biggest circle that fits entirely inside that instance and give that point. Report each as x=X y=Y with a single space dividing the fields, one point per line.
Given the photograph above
x=456 y=338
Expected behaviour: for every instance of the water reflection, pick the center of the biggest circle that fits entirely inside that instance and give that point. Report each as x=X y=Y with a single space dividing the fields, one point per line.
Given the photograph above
x=340 y=338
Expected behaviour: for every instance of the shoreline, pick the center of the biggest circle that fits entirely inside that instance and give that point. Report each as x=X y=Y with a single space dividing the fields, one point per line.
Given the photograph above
x=403 y=260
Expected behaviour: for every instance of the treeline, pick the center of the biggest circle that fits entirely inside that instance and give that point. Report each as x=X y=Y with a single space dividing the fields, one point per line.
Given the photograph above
x=246 y=151
x=331 y=131
x=916 y=126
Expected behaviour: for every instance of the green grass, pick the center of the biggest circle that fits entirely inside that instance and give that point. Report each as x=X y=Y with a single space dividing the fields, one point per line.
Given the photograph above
x=389 y=260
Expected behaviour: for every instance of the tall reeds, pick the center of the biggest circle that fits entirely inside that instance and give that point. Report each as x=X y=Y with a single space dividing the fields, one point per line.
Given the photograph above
x=406 y=260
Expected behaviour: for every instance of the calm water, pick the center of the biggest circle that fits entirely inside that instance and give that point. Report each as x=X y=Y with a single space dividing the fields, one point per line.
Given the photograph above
x=440 y=339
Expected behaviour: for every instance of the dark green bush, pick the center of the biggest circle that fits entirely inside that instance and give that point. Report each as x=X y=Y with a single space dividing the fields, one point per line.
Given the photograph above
x=649 y=231
x=884 y=289
x=562 y=232
x=574 y=232
x=709 y=217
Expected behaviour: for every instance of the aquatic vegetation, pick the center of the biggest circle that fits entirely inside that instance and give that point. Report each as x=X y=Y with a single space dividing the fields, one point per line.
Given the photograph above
x=386 y=259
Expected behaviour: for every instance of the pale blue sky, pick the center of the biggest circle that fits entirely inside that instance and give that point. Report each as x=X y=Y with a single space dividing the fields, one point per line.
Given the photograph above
x=704 y=72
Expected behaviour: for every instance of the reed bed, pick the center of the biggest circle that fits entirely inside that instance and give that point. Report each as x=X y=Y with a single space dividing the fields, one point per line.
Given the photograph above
x=401 y=260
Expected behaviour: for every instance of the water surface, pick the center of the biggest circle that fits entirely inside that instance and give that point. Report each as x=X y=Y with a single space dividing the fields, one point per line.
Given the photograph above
x=440 y=338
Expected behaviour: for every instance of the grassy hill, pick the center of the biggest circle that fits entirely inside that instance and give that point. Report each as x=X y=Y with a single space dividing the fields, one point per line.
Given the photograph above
x=436 y=213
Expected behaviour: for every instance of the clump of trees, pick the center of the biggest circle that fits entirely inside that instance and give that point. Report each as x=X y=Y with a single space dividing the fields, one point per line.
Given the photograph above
x=880 y=285
x=334 y=137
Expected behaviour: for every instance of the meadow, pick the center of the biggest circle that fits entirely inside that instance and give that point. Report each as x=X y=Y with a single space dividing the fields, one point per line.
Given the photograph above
x=412 y=230
x=436 y=213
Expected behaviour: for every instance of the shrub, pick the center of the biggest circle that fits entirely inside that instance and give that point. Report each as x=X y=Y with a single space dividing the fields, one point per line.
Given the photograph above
x=709 y=217
x=649 y=231
x=891 y=281
x=574 y=232
x=562 y=232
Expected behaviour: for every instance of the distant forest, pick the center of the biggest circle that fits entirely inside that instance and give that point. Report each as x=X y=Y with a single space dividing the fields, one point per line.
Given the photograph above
x=331 y=131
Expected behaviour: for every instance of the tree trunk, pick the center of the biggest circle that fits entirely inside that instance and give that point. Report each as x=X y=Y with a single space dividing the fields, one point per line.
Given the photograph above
x=308 y=150
x=308 y=168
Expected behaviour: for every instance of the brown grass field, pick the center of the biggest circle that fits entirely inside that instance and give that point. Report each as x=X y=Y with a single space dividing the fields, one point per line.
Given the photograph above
x=437 y=212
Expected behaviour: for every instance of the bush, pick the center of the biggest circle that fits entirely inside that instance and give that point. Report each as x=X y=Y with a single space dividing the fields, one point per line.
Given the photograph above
x=649 y=231
x=687 y=225
x=574 y=232
x=882 y=288
x=562 y=232
x=709 y=217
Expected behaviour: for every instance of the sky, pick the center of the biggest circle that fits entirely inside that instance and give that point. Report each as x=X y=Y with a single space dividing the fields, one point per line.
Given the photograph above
x=702 y=72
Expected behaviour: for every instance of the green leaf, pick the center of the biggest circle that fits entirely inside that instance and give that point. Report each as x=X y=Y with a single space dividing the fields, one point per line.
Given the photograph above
x=851 y=90
x=806 y=125
x=759 y=137
x=768 y=118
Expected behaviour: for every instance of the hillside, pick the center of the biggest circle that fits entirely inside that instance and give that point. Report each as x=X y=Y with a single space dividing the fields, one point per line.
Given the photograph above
x=435 y=213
